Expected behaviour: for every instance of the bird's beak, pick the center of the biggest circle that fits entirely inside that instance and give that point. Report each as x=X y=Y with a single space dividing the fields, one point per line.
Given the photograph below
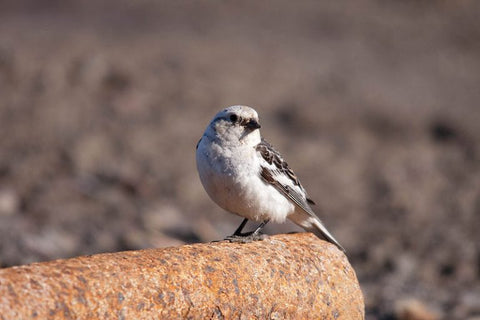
x=253 y=124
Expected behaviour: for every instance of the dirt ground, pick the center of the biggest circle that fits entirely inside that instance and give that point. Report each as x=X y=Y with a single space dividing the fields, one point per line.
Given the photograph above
x=375 y=105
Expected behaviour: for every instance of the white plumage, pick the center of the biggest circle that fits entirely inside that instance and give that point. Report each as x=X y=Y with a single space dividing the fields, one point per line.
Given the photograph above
x=244 y=175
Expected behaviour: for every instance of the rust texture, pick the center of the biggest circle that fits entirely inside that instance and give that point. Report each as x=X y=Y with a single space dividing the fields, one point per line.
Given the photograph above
x=283 y=277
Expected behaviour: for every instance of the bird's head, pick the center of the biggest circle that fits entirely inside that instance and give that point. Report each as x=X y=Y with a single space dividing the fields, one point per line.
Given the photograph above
x=236 y=124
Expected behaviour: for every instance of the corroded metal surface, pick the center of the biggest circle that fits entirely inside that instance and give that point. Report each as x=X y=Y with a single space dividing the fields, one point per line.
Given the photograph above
x=285 y=276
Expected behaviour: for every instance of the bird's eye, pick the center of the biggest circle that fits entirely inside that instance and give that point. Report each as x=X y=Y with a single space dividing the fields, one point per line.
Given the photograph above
x=233 y=118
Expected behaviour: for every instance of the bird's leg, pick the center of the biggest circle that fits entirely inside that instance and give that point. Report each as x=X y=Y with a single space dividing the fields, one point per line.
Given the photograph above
x=238 y=236
x=257 y=231
x=246 y=237
x=238 y=232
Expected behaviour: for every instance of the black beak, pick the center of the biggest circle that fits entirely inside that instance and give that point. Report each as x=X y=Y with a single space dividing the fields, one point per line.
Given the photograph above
x=253 y=124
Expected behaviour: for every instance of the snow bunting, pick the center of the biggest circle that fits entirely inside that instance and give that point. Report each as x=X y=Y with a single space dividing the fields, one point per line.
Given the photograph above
x=243 y=174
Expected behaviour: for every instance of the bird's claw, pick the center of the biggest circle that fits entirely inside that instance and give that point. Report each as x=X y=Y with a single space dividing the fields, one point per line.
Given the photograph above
x=246 y=238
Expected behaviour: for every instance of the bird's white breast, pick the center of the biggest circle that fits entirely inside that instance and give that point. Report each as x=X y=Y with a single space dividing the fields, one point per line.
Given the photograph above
x=230 y=175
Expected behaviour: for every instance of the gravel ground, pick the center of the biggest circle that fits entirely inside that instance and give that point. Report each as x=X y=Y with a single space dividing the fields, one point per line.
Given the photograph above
x=373 y=103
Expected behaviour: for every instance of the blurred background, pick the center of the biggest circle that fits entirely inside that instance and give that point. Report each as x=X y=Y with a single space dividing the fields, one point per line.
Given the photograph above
x=375 y=104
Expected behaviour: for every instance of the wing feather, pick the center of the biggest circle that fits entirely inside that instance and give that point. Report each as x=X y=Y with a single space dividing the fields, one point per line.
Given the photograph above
x=276 y=171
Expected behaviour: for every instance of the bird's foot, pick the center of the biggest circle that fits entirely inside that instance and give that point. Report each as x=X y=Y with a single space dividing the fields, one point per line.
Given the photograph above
x=246 y=237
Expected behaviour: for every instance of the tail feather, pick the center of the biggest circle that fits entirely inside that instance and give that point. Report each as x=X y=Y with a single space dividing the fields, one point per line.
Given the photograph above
x=314 y=225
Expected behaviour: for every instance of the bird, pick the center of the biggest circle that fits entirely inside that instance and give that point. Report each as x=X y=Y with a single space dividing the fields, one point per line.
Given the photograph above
x=243 y=174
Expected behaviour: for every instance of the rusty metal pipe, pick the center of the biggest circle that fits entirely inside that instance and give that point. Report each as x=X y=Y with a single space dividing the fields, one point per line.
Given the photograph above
x=285 y=276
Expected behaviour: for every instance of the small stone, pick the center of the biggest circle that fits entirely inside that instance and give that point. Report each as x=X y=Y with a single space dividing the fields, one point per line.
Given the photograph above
x=413 y=309
x=9 y=202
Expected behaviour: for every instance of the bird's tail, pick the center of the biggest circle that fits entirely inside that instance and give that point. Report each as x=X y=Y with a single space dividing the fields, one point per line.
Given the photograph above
x=314 y=225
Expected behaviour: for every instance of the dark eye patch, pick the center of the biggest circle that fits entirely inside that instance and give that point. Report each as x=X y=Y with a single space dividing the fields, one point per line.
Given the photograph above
x=233 y=118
